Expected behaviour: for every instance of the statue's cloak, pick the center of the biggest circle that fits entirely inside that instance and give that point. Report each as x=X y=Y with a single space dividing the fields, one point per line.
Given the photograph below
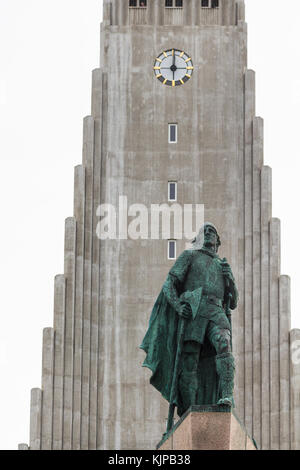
x=160 y=344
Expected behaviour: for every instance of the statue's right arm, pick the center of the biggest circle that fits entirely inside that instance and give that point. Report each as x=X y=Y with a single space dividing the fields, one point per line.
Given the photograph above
x=171 y=293
x=174 y=282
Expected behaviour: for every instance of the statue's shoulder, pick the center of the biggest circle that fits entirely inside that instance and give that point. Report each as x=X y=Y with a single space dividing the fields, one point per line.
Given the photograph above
x=187 y=255
x=189 y=251
x=182 y=264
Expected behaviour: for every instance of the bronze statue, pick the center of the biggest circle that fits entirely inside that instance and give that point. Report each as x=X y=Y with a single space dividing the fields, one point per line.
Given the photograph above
x=188 y=342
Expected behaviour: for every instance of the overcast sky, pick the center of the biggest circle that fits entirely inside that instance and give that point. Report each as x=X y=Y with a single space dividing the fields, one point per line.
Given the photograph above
x=48 y=49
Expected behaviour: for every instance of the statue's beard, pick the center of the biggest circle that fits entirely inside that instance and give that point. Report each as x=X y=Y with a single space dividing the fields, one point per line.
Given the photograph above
x=209 y=245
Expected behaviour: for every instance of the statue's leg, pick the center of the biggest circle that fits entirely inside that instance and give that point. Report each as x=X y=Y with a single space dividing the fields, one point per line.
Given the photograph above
x=220 y=339
x=188 y=380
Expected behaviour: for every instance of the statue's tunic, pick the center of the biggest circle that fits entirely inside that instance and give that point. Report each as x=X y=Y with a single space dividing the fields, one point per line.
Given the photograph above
x=192 y=270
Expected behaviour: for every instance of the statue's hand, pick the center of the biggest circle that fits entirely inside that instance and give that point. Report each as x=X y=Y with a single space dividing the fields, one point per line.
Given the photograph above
x=227 y=271
x=185 y=311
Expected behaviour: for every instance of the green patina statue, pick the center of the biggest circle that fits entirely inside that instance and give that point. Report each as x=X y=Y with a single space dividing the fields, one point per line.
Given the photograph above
x=188 y=342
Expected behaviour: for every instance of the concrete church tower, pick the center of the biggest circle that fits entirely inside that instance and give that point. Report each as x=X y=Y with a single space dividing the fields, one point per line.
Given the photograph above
x=94 y=393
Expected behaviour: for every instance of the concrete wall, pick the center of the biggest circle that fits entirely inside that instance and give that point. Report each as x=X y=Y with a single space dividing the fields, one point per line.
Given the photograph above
x=94 y=392
x=228 y=13
x=138 y=162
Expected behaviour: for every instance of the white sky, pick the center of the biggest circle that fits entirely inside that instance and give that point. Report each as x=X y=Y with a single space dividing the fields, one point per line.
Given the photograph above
x=48 y=49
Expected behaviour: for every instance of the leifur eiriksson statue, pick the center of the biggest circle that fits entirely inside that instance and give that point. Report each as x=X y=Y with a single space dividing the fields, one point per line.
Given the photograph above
x=189 y=339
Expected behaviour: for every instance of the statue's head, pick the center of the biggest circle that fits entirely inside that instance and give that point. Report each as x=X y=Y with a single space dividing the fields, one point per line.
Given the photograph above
x=207 y=237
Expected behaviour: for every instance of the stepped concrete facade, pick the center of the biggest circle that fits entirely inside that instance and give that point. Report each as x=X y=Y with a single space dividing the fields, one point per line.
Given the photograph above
x=94 y=393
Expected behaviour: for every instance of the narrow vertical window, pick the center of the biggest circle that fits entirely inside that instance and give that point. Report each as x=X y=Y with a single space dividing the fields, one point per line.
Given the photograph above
x=210 y=3
x=138 y=3
x=169 y=3
x=172 y=133
x=172 y=191
x=171 y=249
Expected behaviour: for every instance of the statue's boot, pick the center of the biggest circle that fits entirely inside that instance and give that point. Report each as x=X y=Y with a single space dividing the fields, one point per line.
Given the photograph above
x=225 y=370
x=188 y=385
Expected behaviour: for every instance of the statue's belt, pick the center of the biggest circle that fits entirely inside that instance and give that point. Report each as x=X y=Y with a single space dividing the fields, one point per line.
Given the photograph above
x=195 y=298
x=212 y=299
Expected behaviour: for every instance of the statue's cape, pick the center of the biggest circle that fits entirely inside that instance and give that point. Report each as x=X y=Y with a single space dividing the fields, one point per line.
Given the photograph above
x=160 y=345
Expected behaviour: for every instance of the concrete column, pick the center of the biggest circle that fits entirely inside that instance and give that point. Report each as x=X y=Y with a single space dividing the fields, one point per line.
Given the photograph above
x=284 y=360
x=150 y=13
x=201 y=15
x=195 y=5
x=229 y=12
x=120 y=12
x=187 y=12
x=88 y=160
x=70 y=248
x=295 y=389
x=79 y=213
x=47 y=387
x=249 y=107
x=238 y=317
x=266 y=212
x=100 y=146
x=88 y=142
x=256 y=270
x=114 y=13
x=95 y=282
x=242 y=29
x=159 y=12
x=104 y=35
x=123 y=9
x=274 y=333
x=58 y=393
x=240 y=10
x=233 y=12
x=35 y=419
x=96 y=93
x=107 y=12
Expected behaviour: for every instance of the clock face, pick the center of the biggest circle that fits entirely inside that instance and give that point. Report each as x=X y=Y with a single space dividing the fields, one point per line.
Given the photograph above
x=173 y=67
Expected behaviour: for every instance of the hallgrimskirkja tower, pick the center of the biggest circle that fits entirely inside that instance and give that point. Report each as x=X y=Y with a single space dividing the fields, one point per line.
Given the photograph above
x=172 y=121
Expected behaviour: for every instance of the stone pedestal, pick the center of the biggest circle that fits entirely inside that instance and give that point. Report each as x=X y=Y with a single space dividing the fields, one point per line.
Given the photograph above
x=208 y=428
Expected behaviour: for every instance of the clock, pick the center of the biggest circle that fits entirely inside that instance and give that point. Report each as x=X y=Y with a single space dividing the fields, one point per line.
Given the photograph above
x=173 y=67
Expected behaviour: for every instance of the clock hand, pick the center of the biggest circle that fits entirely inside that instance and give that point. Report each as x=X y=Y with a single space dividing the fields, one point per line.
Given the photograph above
x=174 y=65
x=177 y=68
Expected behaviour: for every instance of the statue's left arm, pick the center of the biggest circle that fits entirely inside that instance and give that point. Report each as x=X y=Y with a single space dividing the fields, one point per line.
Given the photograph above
x=230 y=285
x=234 y=295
